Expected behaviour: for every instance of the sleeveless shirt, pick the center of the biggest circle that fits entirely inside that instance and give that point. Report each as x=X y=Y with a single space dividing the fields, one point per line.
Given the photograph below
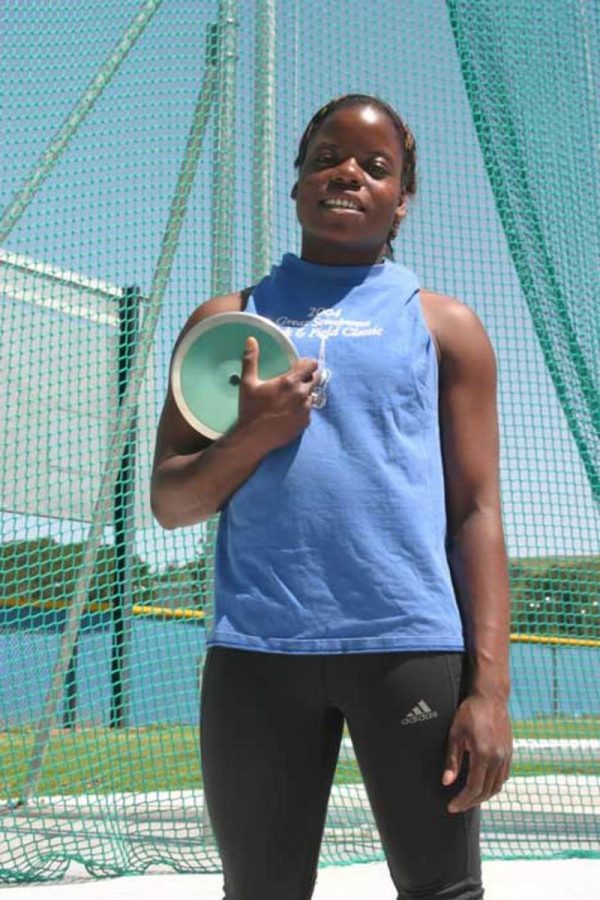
x=337 y=541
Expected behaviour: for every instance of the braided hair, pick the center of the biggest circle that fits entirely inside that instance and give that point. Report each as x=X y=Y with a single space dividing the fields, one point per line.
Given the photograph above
x=408 y=181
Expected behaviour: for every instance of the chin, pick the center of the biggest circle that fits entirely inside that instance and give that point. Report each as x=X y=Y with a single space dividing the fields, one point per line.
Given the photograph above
x=342 y=241
x=342 y=235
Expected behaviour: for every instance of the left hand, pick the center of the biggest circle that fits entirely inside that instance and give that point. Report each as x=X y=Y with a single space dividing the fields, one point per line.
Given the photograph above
x=481 y=728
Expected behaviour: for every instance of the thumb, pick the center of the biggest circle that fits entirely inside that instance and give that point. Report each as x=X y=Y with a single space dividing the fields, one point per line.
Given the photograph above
x=250 y=359
x=454 y=758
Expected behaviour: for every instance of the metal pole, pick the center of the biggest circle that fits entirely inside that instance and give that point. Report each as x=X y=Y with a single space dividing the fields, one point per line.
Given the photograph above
x=70 y=704
x=555 y=697
x=264 y=137
x=51 y=154
x=124 y=512
x=224 y=152
x=126 y=411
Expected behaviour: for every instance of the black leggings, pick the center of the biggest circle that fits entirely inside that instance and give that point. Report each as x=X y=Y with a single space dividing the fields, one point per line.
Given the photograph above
x=271 y=726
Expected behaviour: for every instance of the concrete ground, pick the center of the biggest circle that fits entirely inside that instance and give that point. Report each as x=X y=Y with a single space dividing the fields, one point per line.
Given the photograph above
x=570 y=879
x=548 y=815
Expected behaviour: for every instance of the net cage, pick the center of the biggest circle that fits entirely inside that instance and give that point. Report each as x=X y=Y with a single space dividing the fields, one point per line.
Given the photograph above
x=147 y=155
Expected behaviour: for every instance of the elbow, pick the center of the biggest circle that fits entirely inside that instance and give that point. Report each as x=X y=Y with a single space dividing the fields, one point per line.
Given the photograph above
x=161 y=514
x=162 y=506
x=478 y=516
x=171 y=515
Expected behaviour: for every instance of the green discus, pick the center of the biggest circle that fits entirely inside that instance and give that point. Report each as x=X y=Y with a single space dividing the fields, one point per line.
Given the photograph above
x=207 y=367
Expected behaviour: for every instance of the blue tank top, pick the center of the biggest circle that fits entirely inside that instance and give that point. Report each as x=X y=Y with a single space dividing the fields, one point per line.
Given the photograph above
x=337 y=542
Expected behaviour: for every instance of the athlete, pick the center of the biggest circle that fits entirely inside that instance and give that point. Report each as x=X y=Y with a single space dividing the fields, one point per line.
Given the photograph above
x=360 y=569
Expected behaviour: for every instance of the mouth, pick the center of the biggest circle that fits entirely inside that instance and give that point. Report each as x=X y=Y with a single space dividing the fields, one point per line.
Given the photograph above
x=342 y=205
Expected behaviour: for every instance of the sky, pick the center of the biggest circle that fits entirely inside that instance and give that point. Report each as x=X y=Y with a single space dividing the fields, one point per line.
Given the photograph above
x=103 y=209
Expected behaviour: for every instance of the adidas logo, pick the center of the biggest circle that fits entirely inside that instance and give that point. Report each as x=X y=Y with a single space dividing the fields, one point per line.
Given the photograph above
x=419 y=713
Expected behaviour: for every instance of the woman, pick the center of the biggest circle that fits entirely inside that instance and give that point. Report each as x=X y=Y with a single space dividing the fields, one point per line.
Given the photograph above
x=360 y=571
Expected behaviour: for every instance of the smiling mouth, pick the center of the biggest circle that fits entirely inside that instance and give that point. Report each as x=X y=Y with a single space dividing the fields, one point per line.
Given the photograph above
x=340 y=205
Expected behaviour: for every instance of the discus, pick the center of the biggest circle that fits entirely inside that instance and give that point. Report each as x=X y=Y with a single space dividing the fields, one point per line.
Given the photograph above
x=207 y=367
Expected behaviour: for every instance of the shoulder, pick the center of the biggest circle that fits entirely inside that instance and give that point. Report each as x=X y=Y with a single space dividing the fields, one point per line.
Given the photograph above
x=233 y=302
x=458 y=333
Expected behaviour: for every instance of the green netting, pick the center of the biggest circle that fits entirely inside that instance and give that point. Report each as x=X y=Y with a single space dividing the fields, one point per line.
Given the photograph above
x=147 y=157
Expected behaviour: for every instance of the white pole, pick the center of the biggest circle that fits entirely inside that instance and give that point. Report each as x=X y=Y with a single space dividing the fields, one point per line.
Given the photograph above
x=264 y=137
x=120 y=435
x=223 y=198
x=51 y=154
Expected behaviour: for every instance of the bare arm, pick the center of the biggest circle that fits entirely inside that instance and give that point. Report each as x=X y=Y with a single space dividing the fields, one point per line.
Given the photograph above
x=477 y=553
x=193 y=477
x=191 y=487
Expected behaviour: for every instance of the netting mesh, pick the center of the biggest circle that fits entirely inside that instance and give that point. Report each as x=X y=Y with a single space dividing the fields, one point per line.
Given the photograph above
x=147 y=156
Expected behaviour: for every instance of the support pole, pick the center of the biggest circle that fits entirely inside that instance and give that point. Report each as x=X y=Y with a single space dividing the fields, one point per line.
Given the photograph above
x=264 y=137
x=70 y=704
x=123 y=424
x=124 y=521
x=555 y=684
x=223 y=197
x=52 y=153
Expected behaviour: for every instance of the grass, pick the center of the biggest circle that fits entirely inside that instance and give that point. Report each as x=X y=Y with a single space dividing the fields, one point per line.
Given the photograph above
x=166 y=757
x=558 y=728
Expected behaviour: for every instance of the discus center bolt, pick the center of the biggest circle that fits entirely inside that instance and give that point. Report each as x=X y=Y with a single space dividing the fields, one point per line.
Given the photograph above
x=234 y=379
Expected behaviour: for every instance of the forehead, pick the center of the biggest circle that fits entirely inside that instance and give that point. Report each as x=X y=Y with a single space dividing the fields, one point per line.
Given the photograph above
x=368 y=127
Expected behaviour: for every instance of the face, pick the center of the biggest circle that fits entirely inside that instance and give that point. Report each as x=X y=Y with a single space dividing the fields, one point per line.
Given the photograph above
x=348 y=191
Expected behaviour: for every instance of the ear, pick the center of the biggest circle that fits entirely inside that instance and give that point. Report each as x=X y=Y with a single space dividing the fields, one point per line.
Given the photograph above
x=294 y=191
x=401 y=209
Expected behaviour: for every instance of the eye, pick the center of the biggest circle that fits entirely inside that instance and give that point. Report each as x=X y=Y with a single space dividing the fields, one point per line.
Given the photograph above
x=378 y=169
x=325 y=158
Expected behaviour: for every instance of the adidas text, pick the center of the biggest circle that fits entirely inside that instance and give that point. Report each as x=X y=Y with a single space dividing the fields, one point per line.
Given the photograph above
x=419 y=713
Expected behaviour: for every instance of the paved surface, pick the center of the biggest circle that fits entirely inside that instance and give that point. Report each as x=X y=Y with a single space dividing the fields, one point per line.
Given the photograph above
x=572 y=879
x=534 y=816
x=557 y=814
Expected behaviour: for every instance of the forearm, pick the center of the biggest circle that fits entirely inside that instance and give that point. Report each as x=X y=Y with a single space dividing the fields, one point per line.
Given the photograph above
x=479 y=567
x=192 y=488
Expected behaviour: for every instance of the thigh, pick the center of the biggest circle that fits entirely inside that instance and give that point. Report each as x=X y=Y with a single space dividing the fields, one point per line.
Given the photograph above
x=269 y=747
x=399 y=714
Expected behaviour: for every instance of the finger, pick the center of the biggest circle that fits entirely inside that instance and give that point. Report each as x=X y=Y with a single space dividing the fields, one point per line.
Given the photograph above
x=304 y=368
x=498 y=782
x=472 y=789
x=319 y=377
x=312 y=381
x=491 y=777
x=250 y=360
x=454 y=760
x=501 y=778
x=503 y=774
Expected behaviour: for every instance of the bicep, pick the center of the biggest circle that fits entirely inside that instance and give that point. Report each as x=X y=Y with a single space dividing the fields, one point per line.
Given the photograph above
x=468 y=419
x=175 y=436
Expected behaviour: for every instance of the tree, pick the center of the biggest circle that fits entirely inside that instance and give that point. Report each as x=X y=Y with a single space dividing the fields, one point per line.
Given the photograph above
x=562 y=598
x=47 y=571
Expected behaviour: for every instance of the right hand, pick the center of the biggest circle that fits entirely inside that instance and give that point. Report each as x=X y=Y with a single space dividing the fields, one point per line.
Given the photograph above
x=277 y=409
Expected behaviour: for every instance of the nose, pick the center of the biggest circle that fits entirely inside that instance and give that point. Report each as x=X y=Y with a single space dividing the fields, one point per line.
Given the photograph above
x=347 y=172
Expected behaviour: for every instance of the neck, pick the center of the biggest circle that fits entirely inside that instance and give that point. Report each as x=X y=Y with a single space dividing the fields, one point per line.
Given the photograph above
x=324 y=254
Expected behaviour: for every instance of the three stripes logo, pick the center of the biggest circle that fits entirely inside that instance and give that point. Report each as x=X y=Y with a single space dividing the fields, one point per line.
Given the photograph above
x=419 y=713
